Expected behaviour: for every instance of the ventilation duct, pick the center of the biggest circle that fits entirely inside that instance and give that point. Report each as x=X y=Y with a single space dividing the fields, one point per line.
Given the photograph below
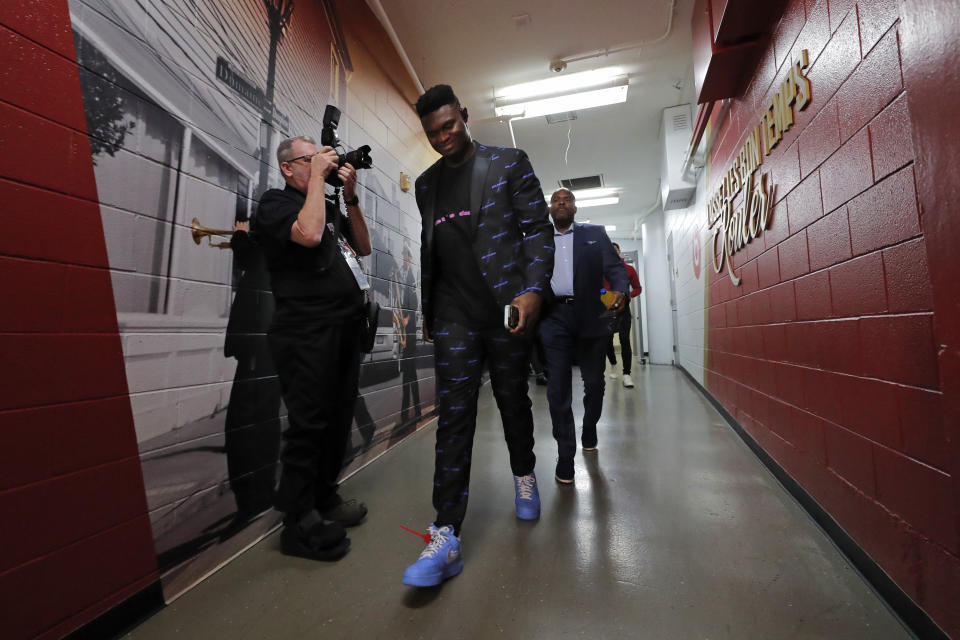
x=578 y=184
x=566 y=116
x=676 y=131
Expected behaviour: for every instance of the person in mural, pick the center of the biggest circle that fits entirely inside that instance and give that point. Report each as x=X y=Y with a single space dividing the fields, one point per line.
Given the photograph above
x=486 y=245
x=577 y=324
x=252 y=424
x=314 y=340
x=406 y=304
x=623 y=325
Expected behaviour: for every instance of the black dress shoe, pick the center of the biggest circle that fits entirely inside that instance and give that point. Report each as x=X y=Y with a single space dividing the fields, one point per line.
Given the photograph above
x=588 y=440
x=564 y=472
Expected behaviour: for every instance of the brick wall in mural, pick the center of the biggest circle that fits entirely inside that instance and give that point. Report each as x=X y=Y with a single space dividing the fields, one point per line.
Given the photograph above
x=185 y=104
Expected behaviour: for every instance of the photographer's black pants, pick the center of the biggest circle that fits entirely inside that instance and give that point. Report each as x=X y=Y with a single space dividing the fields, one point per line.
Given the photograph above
x=318 y=365
x=460 y=355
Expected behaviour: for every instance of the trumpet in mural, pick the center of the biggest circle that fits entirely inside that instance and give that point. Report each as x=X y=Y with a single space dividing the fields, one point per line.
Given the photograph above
x=199 y=232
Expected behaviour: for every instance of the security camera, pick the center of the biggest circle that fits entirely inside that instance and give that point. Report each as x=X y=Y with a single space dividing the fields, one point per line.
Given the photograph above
x=557 y=66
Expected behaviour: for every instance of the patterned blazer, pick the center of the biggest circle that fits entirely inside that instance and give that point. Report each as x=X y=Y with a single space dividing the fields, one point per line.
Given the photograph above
x=512 y=233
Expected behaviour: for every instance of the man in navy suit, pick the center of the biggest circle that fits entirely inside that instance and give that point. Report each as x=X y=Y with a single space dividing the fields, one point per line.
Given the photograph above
x=578 y=325
x=486 y=244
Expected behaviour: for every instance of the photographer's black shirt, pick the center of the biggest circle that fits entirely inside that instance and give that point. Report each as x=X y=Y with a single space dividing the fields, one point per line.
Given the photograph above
x=312 y=282
x=461 y=294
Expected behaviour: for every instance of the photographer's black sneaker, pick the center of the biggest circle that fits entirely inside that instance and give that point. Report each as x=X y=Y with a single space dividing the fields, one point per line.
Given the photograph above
x=348 y=513
x=310 y=536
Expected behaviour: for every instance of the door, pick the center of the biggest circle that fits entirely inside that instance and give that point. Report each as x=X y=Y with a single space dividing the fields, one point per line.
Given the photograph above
x=673 y=297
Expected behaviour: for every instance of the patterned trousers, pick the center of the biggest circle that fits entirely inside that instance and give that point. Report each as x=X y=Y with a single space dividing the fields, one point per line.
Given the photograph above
x=460 y=355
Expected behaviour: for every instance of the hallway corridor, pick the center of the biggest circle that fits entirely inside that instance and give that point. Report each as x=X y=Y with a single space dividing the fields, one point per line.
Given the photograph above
x=672 y=530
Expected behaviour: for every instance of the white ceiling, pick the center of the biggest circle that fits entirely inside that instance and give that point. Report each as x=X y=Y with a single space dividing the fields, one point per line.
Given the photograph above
x=477 y=46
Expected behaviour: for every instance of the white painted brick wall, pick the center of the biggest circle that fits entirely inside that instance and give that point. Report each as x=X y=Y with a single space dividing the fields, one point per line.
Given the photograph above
x=685 y=225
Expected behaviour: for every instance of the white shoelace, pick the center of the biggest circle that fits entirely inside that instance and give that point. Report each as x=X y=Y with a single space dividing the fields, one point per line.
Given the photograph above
x=437 y=539
x=525 y=487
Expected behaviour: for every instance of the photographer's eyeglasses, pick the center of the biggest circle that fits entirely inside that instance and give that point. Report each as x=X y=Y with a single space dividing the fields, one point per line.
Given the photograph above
x=306 y=157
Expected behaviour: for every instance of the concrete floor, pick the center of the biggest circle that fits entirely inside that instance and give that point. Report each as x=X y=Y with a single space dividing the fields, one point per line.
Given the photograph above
x=673 y=530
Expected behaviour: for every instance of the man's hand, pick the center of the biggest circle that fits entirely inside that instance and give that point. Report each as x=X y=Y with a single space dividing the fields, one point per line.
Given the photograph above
x=349 y=177
x=529 y=306
x=241 y=226
x=323 y=162
x=426 y=334
x=619 y=298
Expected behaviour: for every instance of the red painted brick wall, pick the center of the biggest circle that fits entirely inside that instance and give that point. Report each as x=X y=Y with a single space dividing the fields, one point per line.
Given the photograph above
x=75 y=536
x=828 y=352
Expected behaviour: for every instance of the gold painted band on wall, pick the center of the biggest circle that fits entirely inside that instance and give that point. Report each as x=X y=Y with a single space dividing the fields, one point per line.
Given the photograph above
x=752 y=217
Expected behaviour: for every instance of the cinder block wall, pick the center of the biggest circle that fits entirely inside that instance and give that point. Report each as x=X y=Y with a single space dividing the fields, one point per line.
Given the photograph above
x=76 y=535
x=827 y=352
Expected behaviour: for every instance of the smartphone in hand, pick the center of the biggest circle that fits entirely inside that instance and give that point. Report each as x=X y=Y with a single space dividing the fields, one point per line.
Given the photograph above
x=511 y=317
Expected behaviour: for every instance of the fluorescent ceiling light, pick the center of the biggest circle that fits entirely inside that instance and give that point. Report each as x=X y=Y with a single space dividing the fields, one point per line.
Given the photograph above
x=610 y=227
x=598 y=192
x=590 y=194
x=614 y=94
x=560 y=84
x=597 y=202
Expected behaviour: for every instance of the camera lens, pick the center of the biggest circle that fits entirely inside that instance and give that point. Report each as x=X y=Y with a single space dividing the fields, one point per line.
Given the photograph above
x=358 y=158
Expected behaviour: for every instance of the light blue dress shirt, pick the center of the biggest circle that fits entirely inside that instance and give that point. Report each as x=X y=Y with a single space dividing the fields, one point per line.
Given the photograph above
x=562 y=280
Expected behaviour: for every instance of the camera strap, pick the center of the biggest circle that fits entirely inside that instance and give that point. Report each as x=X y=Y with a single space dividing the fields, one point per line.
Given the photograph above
x=349 y=255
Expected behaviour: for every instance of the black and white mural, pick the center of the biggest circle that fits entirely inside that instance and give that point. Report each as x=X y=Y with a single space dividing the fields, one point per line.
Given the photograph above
x=186 y=101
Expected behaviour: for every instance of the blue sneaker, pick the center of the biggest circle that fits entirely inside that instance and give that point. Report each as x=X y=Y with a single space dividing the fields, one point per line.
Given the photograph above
x=439 y=561
x=528 y=498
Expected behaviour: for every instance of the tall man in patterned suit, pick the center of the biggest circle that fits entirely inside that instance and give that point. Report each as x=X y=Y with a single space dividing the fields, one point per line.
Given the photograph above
x=486 y=243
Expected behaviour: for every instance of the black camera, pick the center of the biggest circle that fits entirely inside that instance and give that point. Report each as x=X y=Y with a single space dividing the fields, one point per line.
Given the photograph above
x=359 y=158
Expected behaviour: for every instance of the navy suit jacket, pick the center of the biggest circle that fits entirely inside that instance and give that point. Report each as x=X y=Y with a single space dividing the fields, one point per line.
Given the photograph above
x=594 y=259
x=512 y=233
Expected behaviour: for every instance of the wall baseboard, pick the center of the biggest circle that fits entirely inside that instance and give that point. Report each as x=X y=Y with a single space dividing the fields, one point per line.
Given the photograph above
x=123 y=617
x=913 y=617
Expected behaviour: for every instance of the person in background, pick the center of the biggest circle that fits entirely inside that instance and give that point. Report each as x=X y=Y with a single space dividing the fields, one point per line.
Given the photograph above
x=623 y=325
x=577 y=325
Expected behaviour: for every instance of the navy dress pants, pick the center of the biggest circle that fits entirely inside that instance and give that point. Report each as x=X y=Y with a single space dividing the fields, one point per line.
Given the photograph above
x=563 y=345
x=460 y=355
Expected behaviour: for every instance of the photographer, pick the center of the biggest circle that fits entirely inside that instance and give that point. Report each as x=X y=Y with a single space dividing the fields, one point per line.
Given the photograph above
x=314 y=339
